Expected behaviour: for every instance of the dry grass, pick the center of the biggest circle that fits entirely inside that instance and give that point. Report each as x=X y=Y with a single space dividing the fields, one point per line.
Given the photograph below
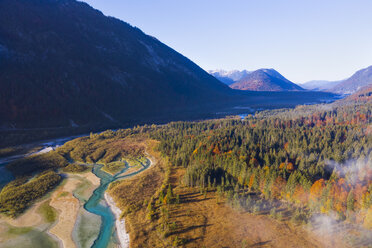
x=132 y=195
x=102 y=150
x=67 y=206
x=202 y=222
x=29 y=218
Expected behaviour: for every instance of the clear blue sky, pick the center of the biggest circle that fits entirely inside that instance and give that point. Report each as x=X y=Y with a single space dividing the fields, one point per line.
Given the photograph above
x=303 y=39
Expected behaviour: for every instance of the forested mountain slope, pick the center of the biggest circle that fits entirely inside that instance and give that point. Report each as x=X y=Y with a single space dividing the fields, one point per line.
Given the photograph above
x=64 y=63
x=357 y=81
x=362 y=96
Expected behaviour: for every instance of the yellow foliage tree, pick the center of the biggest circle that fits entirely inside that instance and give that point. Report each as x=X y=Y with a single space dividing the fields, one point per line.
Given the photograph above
x=368 y=219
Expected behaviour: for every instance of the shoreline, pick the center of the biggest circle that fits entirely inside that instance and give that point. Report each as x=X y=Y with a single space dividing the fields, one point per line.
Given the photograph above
x=122 y=234
x=68 y=207
x=55 y=238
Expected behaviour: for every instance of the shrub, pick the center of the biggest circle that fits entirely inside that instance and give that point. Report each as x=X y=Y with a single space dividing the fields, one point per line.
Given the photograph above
x=19 y=194
x=75 y=168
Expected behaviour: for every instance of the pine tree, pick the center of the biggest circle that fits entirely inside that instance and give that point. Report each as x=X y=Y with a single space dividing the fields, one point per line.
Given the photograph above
x=161 y=197
x=350 y=201
x=169 y=194
x=150 y=211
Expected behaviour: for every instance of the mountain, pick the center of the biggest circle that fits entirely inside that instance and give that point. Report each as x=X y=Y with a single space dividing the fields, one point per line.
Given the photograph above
x=229 y=77
x=63 y=63
x=320 y=85
x=362 y=96
x=265 y=80
x=357 y=81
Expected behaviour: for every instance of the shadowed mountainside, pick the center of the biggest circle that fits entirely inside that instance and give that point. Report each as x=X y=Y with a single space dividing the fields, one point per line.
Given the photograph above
x=67 y=67
x=64 y=63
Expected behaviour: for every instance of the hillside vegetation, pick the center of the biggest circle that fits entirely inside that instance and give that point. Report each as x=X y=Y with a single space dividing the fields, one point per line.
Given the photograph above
x=320 y=161
x=16 y=196
x=293 y=166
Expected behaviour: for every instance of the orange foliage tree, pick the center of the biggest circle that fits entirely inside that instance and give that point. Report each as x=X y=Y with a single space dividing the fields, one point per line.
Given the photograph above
x=316 y=190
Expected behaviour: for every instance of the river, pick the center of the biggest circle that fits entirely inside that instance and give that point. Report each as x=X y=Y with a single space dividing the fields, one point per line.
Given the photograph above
x=96 y=204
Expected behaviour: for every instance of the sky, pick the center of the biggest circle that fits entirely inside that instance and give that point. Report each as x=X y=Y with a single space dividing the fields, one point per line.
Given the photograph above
x=302 y=39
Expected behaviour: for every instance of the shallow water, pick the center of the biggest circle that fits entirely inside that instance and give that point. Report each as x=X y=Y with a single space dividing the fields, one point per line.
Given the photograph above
x=5 y=176
x=87 y=228
x=41 y=147
x=28 y=239
x=97 y=205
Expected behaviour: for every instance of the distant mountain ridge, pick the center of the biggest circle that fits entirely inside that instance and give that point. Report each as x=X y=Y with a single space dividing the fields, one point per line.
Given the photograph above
x=319 y=85
x=265 y=80
x=229 y=77
x=357 y=81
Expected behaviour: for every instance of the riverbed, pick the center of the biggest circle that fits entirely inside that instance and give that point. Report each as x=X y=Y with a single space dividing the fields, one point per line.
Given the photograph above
x=94 y=223
x=99 y=206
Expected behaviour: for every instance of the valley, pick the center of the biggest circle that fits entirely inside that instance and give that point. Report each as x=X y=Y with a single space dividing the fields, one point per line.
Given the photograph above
x=246 y=103
x=110 y=138
x=202 y=182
